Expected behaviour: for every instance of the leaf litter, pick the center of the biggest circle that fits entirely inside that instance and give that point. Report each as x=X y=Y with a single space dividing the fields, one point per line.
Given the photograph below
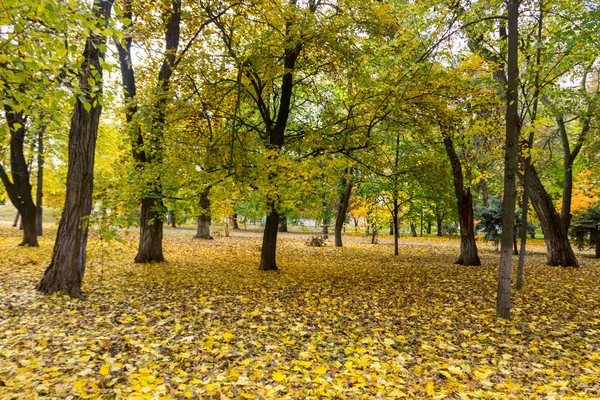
x=346 y=323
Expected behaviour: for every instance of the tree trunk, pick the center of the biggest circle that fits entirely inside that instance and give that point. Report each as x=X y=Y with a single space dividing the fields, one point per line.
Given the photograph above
x=269 y=243
x=428 y=227
x=204 y=220
x=484 y=193
x=234 y=222
x=39 y=196
x=149 y=153
x=66 y=270
x=508 y=239
x=394 y=226
x=19 y=190
x=344 y=201
x=468 y=247
x=555 y=236
x=283 y=226
x=413 y=230
x=17 y=218
x=151 y=232
x=439 y=220
x=171 y=220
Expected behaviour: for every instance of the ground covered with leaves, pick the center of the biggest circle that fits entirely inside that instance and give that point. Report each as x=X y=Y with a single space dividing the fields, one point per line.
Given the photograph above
x=347 y=323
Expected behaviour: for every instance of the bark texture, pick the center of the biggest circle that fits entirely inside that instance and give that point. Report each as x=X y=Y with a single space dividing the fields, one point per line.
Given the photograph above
x=19 y=189
x=66 y=270
x=555 y=235
x=268 y=261
x=39 y=196
x=204 y=220
x=509 y=199
x=464 y=198
x=147 y=152
x=342 y=209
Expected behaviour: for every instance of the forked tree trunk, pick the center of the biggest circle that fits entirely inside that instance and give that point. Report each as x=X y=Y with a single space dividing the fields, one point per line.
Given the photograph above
x=555 y=236
x=19 y=190
x=468 y=247
x=269 y=244
x=67 y=267
x=204 y=220
x=151 y=232
x=343 y=202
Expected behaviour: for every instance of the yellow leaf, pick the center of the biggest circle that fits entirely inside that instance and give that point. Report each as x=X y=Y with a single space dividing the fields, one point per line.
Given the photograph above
x=105 y=370
x=278 y=376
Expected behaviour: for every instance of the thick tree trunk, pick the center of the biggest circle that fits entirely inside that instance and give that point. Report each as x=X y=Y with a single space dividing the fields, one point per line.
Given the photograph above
x=428 y=228
x=204 y=220
x=344 y=201
x=468 y=247
x=67 y=267
x=555 y=236
x=151 y=232
x=283 y=226
x=269 y=244
x=39 y=196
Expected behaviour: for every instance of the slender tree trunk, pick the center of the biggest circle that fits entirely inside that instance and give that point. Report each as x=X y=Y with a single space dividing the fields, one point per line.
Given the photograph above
x=344 y=200
x=484 y=193
x=439 y=220
x=395 y=224
x=428 y=227
x=555 y=236
x=17 y=217
x=204 y=220
x=66 y=270
x=283 y=226
x=39 y=196
x=510 y=165
x=413 y=230
x=269 y=244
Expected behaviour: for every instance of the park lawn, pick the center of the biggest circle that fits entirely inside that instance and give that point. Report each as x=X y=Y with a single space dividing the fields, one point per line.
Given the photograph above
x=344 y=323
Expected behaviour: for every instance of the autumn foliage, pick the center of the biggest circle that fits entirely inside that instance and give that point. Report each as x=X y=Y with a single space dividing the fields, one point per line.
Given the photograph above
x=352 y=322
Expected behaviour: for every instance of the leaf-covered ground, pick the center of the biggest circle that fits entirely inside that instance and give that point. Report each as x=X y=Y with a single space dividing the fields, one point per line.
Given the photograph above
x=346 y=323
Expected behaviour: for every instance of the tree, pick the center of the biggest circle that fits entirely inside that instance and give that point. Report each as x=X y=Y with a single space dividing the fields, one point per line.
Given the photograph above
x=148 y=149
x=66 y=270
